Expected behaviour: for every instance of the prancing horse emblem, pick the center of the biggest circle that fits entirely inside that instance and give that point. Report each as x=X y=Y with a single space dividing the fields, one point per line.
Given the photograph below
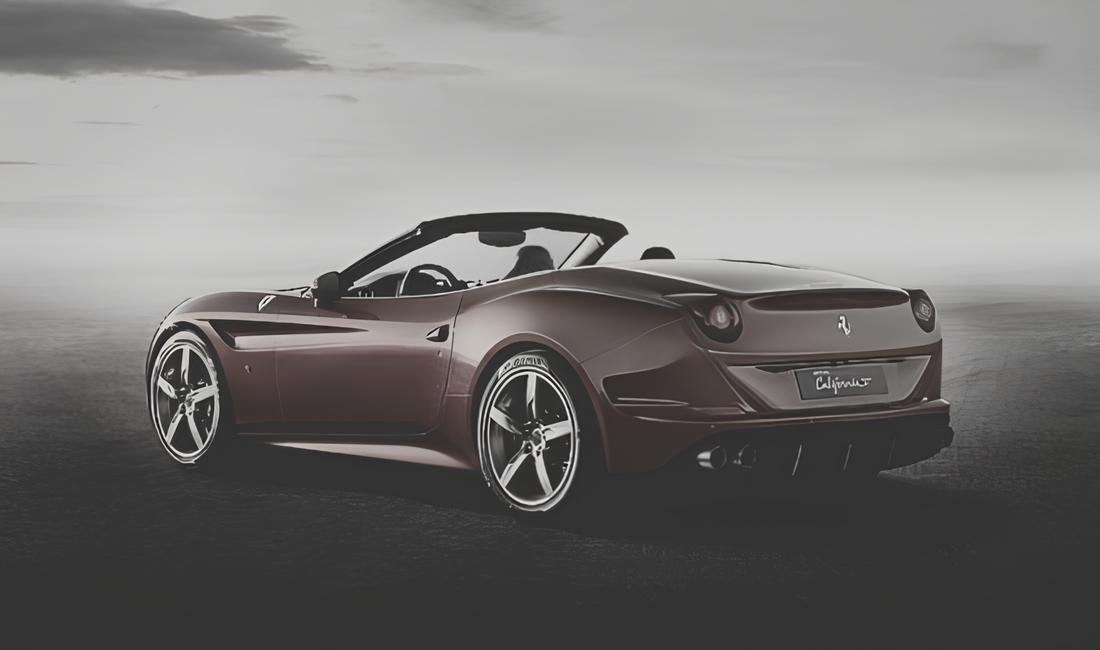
x=843 y=325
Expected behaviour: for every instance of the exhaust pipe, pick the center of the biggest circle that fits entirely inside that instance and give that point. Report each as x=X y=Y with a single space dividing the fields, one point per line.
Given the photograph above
x=713 y=458
x=746 y=457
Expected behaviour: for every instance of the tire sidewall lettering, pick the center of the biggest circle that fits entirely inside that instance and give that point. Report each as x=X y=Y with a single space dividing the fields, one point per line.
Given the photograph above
x=523 y=361
x=541 y=365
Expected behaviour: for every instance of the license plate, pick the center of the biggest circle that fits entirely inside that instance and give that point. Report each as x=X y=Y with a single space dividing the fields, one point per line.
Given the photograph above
x=841 y=381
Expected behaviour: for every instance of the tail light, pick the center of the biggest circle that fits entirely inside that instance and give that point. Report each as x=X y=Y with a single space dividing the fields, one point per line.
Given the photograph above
x=716 y=316
x=923 y=309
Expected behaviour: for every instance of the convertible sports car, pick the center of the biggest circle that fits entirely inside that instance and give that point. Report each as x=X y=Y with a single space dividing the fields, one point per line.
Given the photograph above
x=495 y=342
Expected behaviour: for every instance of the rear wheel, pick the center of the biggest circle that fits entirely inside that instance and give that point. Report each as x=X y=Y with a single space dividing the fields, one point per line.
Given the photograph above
x=529 y=433
x=187 y=401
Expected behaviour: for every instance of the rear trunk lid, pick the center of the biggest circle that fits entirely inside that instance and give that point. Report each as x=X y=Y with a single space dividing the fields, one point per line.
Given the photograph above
x=813 y=326
x=800 y=313
x=740 y=278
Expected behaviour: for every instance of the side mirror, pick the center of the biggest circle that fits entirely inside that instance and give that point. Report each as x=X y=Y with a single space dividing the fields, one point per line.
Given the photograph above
x=326 y=289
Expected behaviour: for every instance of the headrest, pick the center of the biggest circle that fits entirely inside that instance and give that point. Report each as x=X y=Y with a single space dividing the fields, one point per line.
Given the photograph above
x=657 y=253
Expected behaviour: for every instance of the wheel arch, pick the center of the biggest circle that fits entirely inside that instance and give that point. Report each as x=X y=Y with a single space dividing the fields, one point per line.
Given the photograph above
x=529 y=343
x=165 y=332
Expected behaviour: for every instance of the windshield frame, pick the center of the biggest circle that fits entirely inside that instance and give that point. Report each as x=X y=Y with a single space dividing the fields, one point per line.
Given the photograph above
x=606 y=232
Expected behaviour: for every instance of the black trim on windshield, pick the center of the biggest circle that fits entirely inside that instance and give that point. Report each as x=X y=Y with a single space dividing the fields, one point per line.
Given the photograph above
x=427 y=232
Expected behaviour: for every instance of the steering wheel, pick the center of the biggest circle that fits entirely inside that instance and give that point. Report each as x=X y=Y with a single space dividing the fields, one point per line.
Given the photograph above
x=452 y=281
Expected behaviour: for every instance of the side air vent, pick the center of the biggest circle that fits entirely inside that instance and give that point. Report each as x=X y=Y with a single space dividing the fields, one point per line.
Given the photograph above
x=234 y=331
x=823 y=300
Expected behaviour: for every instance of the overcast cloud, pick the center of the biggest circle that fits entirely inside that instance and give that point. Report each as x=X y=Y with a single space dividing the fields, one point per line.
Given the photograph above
x=63 y=38
x=284 y=137
x=106 y=123
x=341 y=97
x=524 y=15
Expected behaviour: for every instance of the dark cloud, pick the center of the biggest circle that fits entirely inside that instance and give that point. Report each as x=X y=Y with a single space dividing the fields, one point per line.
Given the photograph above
x=106 y=123
x=527 y=15
x=66 y=37
x=342 y=98
x=16 y=162
x=420 y=68
x=256 y=23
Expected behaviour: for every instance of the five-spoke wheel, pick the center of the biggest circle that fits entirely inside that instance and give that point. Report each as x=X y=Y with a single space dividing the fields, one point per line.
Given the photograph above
x=184 y=397
x=528 y=434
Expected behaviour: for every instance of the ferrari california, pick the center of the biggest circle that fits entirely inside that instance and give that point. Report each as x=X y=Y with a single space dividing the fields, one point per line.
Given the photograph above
x=499 y=343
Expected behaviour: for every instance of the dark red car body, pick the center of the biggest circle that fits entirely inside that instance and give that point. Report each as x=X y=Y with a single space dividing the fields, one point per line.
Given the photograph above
x=399 y=377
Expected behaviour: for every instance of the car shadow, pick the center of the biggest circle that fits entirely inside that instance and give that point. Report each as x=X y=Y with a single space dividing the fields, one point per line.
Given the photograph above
x=744 y=512
x=263 y=464
x=692 y=507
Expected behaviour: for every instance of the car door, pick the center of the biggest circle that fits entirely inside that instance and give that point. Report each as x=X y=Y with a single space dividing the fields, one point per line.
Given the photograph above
x=364 y=365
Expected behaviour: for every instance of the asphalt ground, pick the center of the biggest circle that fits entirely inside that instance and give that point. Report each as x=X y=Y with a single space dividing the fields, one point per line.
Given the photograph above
x=991 y=543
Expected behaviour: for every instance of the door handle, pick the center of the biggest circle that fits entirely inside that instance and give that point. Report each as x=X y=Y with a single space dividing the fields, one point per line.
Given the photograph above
x=439 y=334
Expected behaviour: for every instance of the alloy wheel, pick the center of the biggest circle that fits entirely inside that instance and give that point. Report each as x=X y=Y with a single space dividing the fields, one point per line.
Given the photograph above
x=185 y=400
x=529 y=427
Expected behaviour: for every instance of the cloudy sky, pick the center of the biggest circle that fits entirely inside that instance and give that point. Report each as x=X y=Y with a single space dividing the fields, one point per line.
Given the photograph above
x=278 y=138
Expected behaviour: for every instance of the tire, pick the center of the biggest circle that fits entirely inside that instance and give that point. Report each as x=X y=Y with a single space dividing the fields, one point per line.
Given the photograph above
x=537 y=454
x=188 y=401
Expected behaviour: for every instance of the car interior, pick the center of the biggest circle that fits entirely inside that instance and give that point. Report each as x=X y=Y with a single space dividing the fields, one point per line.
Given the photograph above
x=531 y=259
x=432 y=278
x=657 y=253
x=428 y=279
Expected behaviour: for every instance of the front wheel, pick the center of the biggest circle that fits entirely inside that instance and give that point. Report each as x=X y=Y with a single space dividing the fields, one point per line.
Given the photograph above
x=187 y=399
x=529 y=433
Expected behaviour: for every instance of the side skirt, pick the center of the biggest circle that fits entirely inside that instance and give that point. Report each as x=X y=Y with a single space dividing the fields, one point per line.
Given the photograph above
x=404 y=442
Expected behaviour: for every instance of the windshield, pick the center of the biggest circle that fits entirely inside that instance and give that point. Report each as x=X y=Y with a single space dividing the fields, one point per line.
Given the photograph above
x=471 y=259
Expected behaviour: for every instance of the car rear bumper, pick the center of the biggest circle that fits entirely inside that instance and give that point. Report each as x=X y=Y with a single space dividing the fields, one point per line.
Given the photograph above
x=879 y=439
x=662 y=396
x=824 y=449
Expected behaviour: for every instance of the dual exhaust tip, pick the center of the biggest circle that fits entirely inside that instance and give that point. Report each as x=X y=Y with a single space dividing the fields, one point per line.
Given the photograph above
x=713 y=458
x=717 y=457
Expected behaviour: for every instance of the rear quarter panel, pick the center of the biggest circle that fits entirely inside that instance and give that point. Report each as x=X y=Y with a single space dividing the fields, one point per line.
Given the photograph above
x=578 y=321
x=575 y=319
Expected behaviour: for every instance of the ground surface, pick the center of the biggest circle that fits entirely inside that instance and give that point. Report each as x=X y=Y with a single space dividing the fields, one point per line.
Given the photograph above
x=995 y=540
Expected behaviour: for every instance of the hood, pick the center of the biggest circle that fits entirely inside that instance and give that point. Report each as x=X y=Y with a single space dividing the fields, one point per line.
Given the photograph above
x=752 y=278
